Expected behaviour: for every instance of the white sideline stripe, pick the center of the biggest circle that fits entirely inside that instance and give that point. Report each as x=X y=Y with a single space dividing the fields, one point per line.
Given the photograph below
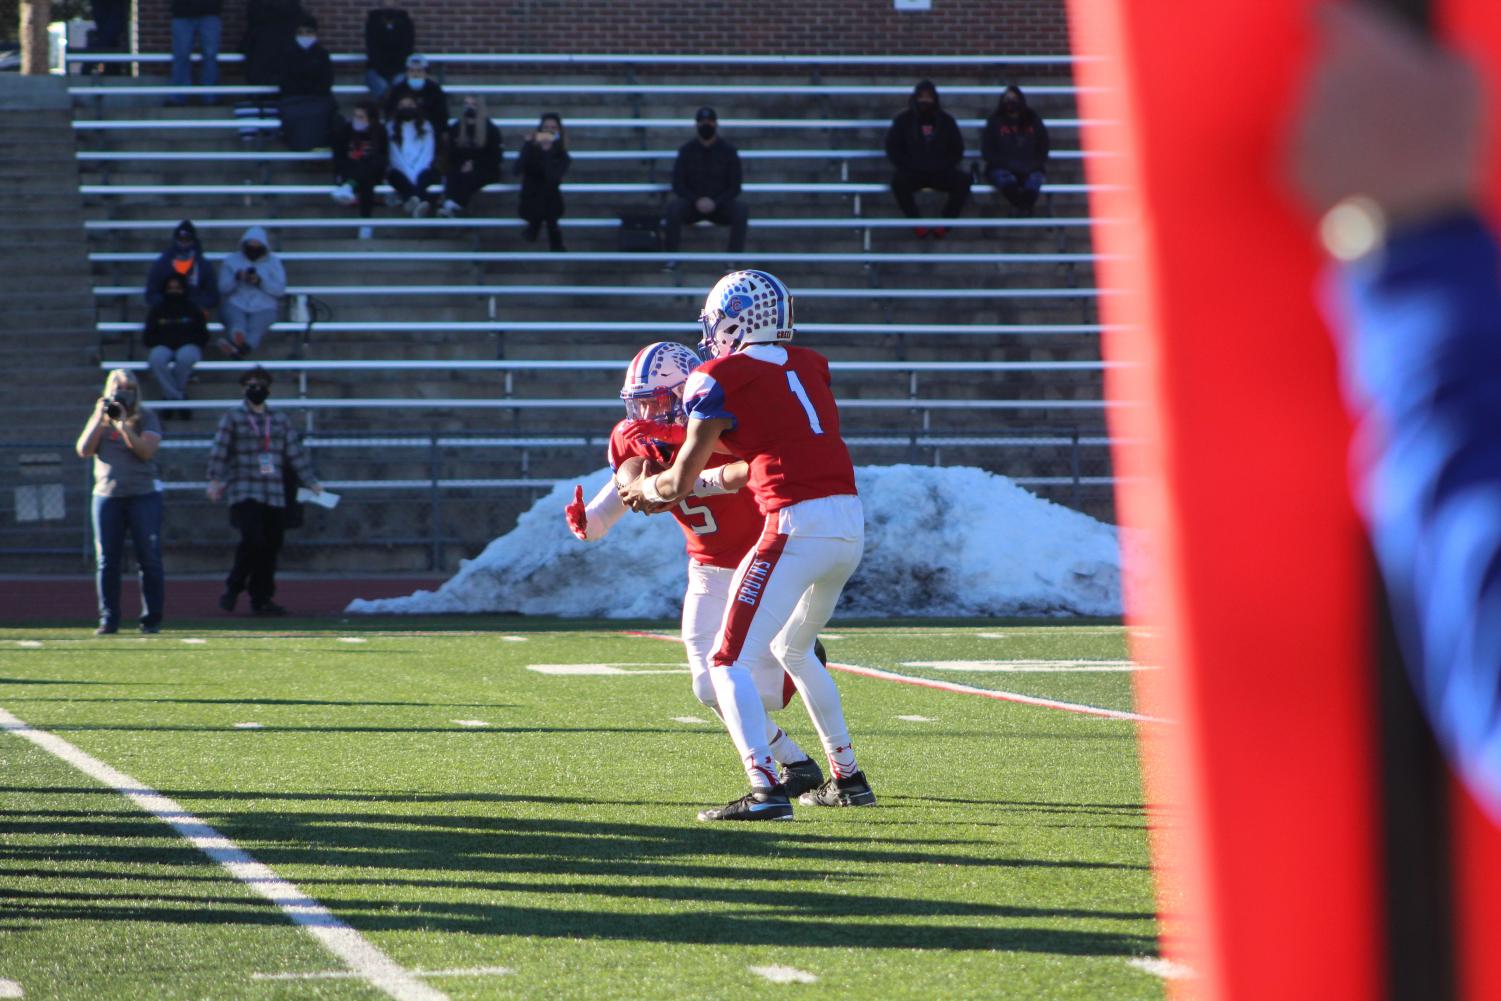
x=1030 y=666
x=473 y=971
x=1164 y=968
x=595 y=669
x=11 y=989
x=688 y=719
x=915 y=719
x=471 y=722
x=248 y=726
x=784 y=974
x=365 y=960
x=353 y=639
x=29 y=644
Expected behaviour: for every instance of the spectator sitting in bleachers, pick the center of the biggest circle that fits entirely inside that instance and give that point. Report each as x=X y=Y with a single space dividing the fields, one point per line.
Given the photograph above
x=175 y=335
x=423 y=89
x=474 y=156
x=307 y=90
x=270 y=33
x=925 y=146
x=390 y=37
x=253 y=282
x=413 y=158
x=184 y=257
x=706 y=185
x=190 y=19
x=543 y=161
x=1015 y=147
x=360 y=159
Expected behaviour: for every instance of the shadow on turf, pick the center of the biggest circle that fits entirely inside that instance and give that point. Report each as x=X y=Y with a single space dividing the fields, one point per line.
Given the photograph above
x=729 y=894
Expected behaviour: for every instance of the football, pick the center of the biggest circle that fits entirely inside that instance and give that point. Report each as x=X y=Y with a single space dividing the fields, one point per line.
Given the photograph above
x=636 y=466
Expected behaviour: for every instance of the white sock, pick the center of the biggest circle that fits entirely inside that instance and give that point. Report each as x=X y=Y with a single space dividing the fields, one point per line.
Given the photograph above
x=745 y=718
x=821 y=696
x=783 y=747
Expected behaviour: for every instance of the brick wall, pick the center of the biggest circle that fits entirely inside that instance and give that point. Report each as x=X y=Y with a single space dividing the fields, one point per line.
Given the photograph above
x=676 y=26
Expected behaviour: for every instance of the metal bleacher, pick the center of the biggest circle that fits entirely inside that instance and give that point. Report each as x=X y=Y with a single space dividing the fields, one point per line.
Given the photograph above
x=495 y=366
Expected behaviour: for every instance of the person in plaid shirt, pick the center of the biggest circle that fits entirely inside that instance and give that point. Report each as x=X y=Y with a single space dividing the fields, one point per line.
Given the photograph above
x=247 y=466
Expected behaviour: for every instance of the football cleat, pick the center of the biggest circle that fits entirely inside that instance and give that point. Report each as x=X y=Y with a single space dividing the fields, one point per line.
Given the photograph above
x=801 y=776
x=852 y=790
x=820 y=653
x=745 y=307
x=653 y=387
x=758 y=804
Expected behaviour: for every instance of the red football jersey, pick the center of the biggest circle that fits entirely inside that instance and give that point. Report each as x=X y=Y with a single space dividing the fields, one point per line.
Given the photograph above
x=718 y=529
x=786 y=424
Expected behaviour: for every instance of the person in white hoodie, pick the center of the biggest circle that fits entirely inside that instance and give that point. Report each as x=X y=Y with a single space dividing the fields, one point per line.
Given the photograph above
x=252 y=282
x=413 y=157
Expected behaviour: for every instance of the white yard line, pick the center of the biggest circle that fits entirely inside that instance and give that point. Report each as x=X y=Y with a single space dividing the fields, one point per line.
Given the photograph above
x=598 y=669
x=353 y=639
x=471 y=722
x=688 y=719
x=11 y=989
x=1164 y=968
x=473 y=971
x=248 y=726
x=915 y=719
x=365 y=961
x=784 y=974
x=29 y=645
x=194 y=641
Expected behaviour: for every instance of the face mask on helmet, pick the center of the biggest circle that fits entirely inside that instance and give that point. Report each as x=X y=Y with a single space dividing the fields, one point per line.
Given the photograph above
x=653 y=388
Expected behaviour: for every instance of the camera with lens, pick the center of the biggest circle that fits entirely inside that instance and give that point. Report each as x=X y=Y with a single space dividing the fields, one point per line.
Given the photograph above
x=113 y=408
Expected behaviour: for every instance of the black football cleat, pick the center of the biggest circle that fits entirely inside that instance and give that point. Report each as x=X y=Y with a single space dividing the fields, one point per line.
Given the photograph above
x=820 y=653
x=850 y=791
x=758 y=804
x=801 y=776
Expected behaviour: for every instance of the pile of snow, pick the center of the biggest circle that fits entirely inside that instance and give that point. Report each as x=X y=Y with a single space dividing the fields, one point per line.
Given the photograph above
x=953 y=541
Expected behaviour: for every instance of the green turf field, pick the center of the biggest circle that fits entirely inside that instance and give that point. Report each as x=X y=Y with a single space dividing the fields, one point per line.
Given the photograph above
x=552 y=852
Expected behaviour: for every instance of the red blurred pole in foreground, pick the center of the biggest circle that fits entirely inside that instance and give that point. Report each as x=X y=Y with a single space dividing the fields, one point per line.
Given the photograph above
x=1266 y=830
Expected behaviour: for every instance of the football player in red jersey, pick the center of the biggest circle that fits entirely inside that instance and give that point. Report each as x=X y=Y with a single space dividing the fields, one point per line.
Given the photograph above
x=720 y=523
x=770 y=404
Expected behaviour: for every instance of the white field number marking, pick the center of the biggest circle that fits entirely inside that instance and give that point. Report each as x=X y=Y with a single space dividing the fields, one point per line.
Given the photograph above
x=1164 y=968
x=1028 y=666
x=194 y=641
x=247 y=726
x=353 y=639
x=688 y=719
x=579 y=669
x=514 y=639
x=471 y=722
x=11 y=989
x=784 y=974
x=28 y=645
x=915 y=719
x=362 y=957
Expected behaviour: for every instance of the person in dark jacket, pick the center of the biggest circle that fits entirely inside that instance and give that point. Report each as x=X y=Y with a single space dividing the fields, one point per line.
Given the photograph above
x=543 y=161
x=390 y=37
x=925 y=147
x=474 y=156
x=195 y=19
x=361 y=155
x=431 y=99
x=706 y=185
x=270 y=33
x=185 y=257
x=307 y=90
x=175 y=335
x=1015 y=147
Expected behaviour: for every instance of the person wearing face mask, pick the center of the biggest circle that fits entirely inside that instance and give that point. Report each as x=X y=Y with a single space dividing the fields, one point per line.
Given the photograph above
x=255 y=450
x=413 y=156
x=1015 y=146
x=543 y=161
x=925 y=146
x=253 y=282
x=184 y=257
x=307 y=86
x=122 y=439
x=175 y=336
x=474 y=156
x=706 y=185
x=361 y=150
x=430 y=98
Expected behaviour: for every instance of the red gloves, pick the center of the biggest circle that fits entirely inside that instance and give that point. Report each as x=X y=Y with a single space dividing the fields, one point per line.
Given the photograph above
x=655 y=439
x=578 y=519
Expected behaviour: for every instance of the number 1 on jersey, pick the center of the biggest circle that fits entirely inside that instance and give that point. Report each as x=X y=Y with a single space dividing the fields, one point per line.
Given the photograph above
x=796 y=385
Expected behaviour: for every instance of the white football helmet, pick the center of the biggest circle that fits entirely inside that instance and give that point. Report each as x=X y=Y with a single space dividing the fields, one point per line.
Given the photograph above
x=653 y=388
x=745 y=307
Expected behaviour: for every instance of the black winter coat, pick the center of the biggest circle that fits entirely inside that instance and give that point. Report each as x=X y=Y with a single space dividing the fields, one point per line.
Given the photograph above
x=541 y=175
x=307 y=73
x=174 y=322
x=270 y=33
x=1019 y=147
x=918 y=146
x=431 y=99
x=486 y=158
x=711 y=171
x=359 y=152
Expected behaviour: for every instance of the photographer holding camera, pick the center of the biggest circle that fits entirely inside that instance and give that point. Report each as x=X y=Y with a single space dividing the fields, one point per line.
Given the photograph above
x=122 y=439
x=256 y=451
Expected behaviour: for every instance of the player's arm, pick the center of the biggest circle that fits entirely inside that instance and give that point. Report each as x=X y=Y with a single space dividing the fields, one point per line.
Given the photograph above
x=725 y=479
x=593 y=521
x=673 y=484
